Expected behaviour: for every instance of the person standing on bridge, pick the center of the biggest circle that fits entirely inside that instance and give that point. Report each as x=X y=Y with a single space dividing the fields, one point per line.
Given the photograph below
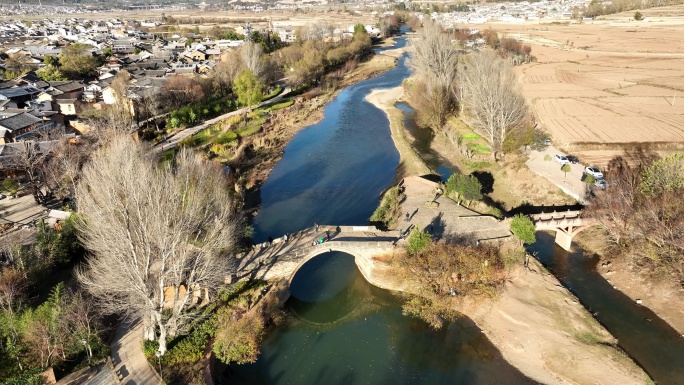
x=315 y=227
x=285 y=238
x=327 y=235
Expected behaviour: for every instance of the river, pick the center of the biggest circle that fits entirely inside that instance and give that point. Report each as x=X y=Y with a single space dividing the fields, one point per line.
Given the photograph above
x=339 y=328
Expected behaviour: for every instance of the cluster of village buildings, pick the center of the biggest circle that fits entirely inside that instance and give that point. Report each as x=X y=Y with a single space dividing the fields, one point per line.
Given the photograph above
x=29 y=104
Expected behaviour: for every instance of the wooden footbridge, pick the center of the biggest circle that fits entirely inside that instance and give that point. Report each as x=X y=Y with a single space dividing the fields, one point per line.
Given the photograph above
x=566 y=224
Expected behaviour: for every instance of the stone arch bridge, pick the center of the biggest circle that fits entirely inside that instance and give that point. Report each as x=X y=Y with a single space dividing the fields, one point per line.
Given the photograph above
x=566 y=224
x=282 y=259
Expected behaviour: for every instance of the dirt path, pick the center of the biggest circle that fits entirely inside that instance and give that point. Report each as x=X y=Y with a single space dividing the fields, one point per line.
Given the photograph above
x=128 y=357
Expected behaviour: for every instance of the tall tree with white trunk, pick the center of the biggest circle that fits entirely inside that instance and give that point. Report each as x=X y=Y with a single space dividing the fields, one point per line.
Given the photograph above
x=157 y=235
x=491 y=96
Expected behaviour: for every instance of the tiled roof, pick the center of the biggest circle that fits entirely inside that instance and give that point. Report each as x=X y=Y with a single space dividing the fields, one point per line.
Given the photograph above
x=19 y=121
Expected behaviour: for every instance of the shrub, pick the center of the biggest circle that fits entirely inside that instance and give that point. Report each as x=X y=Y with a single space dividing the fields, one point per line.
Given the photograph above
x=388 y=210
x=9 y=186
x=417 y=241
x=523 y=228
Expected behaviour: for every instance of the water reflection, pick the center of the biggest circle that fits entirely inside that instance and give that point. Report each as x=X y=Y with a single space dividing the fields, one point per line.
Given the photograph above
x=344 y=330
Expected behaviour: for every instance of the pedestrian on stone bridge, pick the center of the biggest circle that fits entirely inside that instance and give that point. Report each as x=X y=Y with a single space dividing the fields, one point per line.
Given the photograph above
x=316 y=227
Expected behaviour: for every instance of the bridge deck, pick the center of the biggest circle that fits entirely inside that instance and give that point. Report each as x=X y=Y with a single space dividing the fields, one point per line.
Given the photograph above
x=300 y=244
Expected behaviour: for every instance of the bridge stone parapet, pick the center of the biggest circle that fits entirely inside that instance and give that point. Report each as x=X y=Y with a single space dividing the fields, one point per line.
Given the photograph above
x=281 y=259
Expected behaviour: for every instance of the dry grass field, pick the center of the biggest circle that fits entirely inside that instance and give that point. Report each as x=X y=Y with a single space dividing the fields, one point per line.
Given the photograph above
x=607 y=85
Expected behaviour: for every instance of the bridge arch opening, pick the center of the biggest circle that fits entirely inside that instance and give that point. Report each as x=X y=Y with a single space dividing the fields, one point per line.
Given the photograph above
x=360 y=262
x=327 y=289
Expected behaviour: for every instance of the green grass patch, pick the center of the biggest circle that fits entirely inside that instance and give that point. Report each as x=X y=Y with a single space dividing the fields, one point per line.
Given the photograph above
x=588 y=338
x=481 y=165
x=278 y=106
x=479 y=148
x=226 y=138
x=253 y=126
x=471 y=136
x=275 y=93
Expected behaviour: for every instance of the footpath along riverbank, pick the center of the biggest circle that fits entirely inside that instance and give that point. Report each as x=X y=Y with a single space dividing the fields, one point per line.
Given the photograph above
x=538 y=325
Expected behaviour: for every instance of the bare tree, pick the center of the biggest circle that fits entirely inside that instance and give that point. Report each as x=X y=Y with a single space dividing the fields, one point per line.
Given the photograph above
x=316 y=31
x=158 y=236
x=32 y=160
x=433 y=56
x=252 y=56
x=434 y=61
x=492 y=97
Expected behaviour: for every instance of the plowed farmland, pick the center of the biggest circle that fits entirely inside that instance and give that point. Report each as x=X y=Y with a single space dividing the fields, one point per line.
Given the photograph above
x=608 y=84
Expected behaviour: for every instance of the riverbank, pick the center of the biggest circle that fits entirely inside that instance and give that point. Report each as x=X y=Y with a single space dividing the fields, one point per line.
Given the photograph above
x=541 y=329
x=409 y=160
x=663 y=296
x=537 y=324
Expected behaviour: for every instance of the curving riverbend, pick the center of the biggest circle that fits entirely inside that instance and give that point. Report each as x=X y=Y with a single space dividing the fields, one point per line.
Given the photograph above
x=341 y=329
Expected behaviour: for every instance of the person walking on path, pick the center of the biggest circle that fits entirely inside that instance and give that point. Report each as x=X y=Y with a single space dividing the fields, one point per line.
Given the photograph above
x=320 y=240
x=327 y=234
x=285 y=238
x=315 y=227
x=270 y=241
x=408 y=216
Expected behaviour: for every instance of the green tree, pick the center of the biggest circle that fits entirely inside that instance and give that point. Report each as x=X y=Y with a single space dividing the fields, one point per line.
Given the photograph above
x=523 y=228
x=50 y=73
x=467 y=187
x=417 y=241
x=589 y=179
x=77 y=61
x=565 y=168
x=472 y=188
x=248 y=88
x=638 y=16
x=665 y=174
x=51 y=60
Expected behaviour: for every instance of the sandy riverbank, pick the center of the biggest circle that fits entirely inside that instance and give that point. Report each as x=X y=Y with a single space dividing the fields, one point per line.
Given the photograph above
x=539 y=327
x=409 y=161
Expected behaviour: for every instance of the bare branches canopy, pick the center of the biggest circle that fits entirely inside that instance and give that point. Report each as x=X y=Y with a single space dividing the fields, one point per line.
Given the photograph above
x=491 y=95
x=159 y=237
x=434 y=59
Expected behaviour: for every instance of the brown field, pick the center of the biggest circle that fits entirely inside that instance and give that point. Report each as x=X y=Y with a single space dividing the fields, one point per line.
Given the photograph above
x=609 y=85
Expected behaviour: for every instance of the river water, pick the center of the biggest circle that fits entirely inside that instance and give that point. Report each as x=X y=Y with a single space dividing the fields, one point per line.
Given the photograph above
x=339 y=328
